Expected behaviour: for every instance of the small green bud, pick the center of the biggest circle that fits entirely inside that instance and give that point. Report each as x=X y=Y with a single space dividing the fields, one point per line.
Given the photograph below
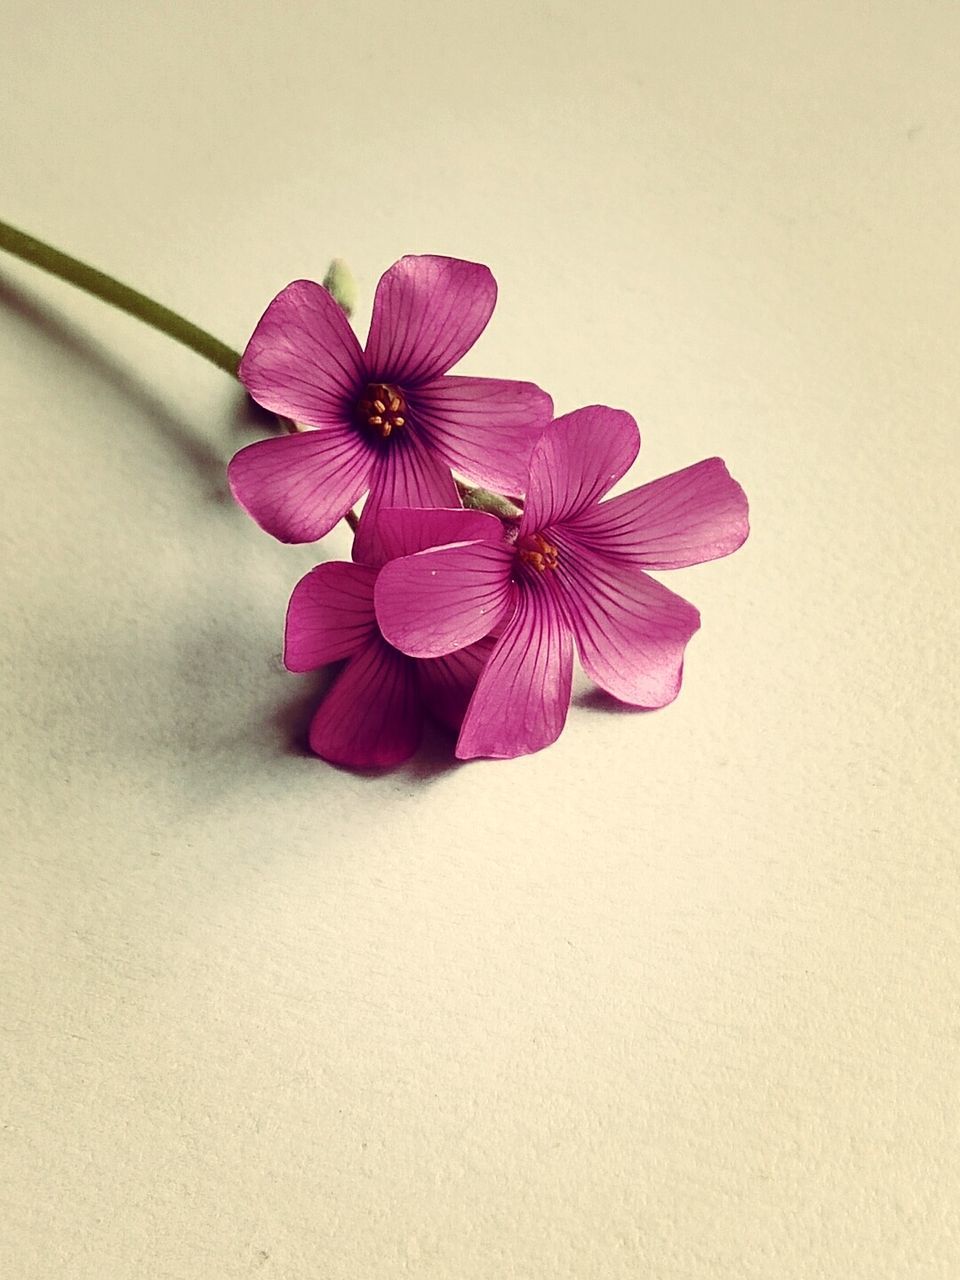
x=341 y=286
x=477 y=499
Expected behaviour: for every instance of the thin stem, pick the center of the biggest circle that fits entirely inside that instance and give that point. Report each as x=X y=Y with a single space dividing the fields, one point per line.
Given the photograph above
x=119 y=295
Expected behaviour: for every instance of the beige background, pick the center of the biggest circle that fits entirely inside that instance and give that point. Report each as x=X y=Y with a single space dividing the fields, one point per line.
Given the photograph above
x=677 y=998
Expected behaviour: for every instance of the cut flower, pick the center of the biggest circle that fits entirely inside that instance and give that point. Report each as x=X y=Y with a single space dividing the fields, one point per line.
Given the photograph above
x=387 y=419
x=372 y=715
x=571 y=573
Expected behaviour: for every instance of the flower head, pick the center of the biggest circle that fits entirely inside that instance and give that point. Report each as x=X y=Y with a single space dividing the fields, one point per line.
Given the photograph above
x=385 y=419
x=372 y=715
x=573 y=573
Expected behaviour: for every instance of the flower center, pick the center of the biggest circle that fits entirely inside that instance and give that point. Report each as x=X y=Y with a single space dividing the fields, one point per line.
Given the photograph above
x=534 y=550
x=381 y=409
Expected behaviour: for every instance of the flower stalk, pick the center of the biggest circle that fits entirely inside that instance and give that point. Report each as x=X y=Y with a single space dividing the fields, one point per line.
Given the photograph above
x=40 y=254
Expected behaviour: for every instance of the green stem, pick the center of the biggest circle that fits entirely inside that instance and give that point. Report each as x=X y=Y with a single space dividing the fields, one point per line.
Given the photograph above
x=118 y=295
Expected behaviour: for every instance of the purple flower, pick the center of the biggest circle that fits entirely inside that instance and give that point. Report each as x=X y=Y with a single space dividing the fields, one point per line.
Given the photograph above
x=573 y=573
x=385 y=419
x=372 y=715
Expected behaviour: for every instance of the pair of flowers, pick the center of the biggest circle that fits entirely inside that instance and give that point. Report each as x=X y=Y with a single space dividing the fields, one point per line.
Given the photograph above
x=465 y=614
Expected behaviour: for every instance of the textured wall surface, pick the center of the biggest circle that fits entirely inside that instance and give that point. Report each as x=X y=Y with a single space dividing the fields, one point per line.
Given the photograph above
x=677 y=997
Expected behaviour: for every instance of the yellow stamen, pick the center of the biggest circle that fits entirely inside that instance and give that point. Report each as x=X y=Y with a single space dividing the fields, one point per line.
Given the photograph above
x=535 y=551
x=381 y=409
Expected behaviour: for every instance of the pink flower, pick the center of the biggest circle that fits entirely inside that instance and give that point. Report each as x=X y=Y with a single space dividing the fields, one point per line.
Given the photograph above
x=372 y=715
x=385 y=418
x=573 y=573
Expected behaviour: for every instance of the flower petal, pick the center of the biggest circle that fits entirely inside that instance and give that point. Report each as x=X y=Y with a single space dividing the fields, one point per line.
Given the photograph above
x=371 y=718
x=522 y=697
x=438 y=601
x=330 y=615
x=693 y=515
x=576 y=461
x=485 y=428
x=631 y=631
x=406 y=473
x=447 y=683
x=402 y=531
x=428 y=311
x=298 y=486
x=304 y=360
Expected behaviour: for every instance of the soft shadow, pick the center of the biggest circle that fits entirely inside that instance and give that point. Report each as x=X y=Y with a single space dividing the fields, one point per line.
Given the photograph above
x=252 y=421
x=598 y=700
x=435 y=759
x=71 y=340
x=292 y=720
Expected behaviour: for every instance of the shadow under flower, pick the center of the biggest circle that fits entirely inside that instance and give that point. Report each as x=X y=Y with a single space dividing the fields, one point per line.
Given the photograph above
x=292 y=720
x=594 y=699
x=435 y=758
x=253 y=422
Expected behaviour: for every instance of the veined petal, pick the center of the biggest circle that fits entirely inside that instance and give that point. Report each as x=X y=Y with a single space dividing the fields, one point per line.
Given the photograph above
x=304 y=360
x=631 y=631
x=371 y=718
x=330 y=615
x=485 y=428
x=406 y=473
x=576 y=461
x=428 y=311
x=402 y=531
x=298 y=486
x=447 y=683
x=523 y=694
x=438 y=601
x=693 y=515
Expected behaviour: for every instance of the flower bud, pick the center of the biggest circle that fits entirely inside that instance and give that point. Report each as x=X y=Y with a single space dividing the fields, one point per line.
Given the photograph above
x=341 y=286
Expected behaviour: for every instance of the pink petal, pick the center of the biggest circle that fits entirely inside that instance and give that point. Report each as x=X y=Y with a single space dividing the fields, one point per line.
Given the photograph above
x=522 y=697
x=371 y=718
x=438 y=601
x=693 y=515
x=576 y=461
x=406 y=473
x=631 y=631
x=485 y=428
x=330 y=615
x=402 y=531
x=447 y=684
x=298 y=486
x=304 y=360
x=427 y=313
